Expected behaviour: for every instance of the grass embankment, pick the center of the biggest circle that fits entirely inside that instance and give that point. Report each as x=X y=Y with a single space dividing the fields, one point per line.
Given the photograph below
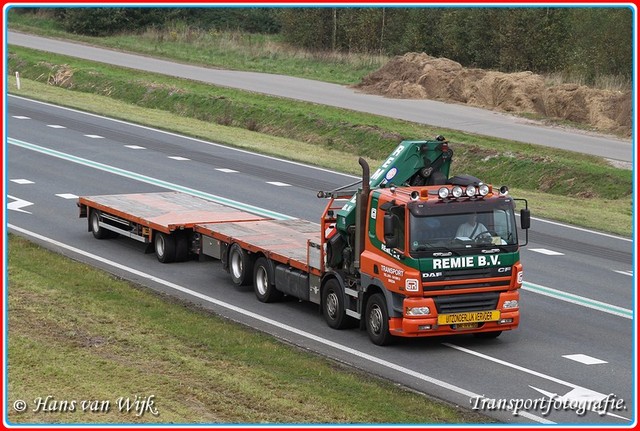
x=560 y=185
x=77 y=333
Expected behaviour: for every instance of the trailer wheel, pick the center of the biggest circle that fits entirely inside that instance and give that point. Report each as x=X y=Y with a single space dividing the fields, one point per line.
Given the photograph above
x=377 y=320
x=264 y=282
x=98 y=231
x=165 y=247
x=333 y=307
x=239 y=265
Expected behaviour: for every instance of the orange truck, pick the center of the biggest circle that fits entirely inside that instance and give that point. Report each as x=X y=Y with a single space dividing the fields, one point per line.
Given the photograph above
x=411 y=253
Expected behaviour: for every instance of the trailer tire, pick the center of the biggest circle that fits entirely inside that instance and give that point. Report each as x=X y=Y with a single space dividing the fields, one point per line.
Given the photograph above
x=333 y=308
x=264 y=282
x=239 y=265
x=377 y=320
x=165 y=246
x=98 y=231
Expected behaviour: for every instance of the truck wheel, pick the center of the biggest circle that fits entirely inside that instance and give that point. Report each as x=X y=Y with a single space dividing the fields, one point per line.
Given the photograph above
x=98 y=231
x=264 y=282
x=239 y=265
x=377 y=320
x=333 y=307
x=165 y=247
x=487 y=335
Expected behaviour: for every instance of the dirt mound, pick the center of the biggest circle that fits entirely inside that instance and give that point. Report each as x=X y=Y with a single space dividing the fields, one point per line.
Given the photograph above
x=420 y=76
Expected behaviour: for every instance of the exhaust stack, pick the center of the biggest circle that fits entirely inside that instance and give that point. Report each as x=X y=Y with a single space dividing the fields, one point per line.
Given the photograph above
x=362 y=199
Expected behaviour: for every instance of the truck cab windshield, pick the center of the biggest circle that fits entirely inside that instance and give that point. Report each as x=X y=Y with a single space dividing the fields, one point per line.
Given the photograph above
x=480 y=227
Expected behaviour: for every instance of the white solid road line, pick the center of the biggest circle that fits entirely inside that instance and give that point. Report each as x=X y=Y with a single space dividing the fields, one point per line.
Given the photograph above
x=282 y=326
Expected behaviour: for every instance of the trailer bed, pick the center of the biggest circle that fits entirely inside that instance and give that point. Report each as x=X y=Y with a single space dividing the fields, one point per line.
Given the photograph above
x=165 y=211
x=295 y=243
x=285 y=241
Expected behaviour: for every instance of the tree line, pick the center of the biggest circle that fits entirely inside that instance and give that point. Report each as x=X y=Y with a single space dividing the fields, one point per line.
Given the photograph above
x=587 y=41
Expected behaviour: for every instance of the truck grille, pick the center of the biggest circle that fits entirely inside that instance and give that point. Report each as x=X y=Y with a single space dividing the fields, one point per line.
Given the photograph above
x=467 y=302
x=475 y=276
x=462 y=274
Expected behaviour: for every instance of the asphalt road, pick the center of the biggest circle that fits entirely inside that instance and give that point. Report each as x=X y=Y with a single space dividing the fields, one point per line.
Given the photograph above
x=451 y=116
x=576 y=337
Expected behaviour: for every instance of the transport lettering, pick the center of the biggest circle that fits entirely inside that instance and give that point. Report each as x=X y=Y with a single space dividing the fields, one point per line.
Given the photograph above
x=393 y=271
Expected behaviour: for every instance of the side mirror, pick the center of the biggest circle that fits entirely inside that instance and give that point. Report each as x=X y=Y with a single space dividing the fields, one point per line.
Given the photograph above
x=525 y=218
x=390 y=237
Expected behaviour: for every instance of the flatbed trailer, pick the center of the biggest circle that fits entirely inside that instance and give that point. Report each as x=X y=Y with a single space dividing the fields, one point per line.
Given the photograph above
x=177 y=226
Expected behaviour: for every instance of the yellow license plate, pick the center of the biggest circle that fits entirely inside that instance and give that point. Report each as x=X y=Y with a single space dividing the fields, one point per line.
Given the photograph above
x=469 y=317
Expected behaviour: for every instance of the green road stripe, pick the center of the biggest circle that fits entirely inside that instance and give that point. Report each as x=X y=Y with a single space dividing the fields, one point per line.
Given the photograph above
x=149 y=180
x=580 y=300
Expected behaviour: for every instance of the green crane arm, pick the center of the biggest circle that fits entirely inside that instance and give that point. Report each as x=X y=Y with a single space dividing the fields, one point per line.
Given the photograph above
x=412 y=163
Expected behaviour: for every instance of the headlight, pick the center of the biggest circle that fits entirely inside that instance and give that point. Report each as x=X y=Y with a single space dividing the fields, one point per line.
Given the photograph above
x=483 y=190
x=471 y=190
x=510 y=304
x=443 y=193
x=456 y=191
x=418 y=311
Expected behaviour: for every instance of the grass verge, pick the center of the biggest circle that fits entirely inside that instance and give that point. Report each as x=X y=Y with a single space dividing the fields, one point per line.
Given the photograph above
x=559 y=183
x=93 y=337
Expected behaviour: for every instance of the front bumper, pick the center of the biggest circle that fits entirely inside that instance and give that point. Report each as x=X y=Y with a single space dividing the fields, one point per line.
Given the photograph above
x=428 y=326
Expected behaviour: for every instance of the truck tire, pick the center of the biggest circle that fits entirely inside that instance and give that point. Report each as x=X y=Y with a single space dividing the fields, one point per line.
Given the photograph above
x=377 y=320
x=182 y=246
x=333 y=308
x=98 y=231
x=239 y=265
x=264 y=282
x=165 y=246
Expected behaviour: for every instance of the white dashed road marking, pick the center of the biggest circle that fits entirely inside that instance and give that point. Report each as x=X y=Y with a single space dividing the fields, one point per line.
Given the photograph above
x=21 y=181
x=547 y=252
x=135 y=147
x=56 y=126
x=585 y=359
x=178 y=158
x=21 y=117
x=278 y=183
x=226 y=171
x=629 y=273
x=94 y=136
x=67 y=196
